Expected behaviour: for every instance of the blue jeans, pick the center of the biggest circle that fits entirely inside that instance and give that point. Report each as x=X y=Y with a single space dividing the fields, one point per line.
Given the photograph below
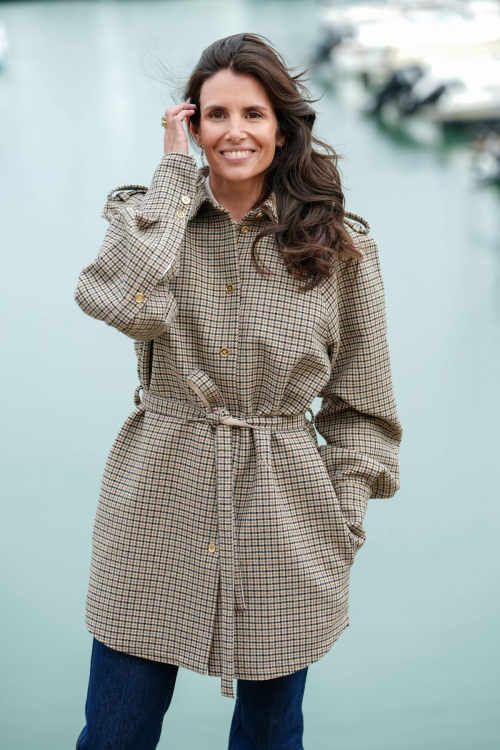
x=128 y=697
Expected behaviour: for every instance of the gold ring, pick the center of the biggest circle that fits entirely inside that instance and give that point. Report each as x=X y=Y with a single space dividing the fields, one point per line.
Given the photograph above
x=164 y=122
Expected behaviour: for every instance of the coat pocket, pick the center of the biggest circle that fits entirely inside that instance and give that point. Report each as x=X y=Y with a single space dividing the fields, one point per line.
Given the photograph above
x=351 y=536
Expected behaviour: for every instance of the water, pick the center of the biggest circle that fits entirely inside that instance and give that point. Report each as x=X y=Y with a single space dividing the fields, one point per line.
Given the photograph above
x=79 y=115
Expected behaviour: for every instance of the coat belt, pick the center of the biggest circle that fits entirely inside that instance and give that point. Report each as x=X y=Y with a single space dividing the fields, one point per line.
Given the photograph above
x=220 y=422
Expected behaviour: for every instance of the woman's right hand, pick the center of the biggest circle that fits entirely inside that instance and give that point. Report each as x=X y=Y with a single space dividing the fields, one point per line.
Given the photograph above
x=175 y=137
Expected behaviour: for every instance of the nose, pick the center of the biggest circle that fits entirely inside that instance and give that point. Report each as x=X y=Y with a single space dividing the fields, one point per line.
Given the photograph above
x=236 y=130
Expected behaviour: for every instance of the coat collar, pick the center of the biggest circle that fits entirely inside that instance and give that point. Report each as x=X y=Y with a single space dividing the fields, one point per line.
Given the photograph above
x=269 y=206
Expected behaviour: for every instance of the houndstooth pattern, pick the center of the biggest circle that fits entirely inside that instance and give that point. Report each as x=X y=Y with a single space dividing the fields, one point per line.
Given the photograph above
x=224 y=534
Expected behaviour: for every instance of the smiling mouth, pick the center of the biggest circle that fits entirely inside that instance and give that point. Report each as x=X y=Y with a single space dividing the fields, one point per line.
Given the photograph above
x=237 y=153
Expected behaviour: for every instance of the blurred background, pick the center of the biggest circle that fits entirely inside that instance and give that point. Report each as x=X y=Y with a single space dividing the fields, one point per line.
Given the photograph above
x=410 y=98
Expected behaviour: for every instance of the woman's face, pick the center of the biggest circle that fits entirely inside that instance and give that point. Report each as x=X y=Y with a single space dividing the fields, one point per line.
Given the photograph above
x=236 y=115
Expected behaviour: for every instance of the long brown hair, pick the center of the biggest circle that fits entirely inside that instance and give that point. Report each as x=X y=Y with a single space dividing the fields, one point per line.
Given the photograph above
x=306 y=182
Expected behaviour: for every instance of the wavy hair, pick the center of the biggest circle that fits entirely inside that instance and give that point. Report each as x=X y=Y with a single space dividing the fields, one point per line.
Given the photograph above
x=306 y=181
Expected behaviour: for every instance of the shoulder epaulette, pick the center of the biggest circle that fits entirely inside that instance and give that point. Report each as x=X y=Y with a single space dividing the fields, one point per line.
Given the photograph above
x=356 y=222
x=123 y=192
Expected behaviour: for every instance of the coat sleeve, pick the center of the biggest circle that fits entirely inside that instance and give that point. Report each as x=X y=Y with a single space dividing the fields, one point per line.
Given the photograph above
x=127 y=285
x=358 y=416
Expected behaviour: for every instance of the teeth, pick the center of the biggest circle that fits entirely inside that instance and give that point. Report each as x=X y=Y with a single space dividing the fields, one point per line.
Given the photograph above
x=236 y=153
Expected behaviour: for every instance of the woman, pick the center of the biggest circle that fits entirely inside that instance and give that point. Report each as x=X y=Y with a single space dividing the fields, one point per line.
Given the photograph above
x=224 y=535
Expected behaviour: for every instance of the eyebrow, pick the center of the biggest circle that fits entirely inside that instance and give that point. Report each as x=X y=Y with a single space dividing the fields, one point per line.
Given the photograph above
x=219 y=106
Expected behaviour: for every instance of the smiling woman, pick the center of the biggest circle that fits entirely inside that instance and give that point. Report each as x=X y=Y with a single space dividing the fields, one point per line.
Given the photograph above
x=249 y=101
x=239 y=139
x=224 y=535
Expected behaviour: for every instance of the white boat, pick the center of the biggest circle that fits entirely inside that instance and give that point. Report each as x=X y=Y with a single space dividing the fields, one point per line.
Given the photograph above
x=446 y=92
x=377 y=39
x=4 y=45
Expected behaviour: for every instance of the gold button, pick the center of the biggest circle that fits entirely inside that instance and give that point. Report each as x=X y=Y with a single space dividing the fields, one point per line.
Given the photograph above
x=224 y=351
x=139 y=297
x=244 y=229
x=260 y=215
x=185 y=199
x=230 y=288
x=180 y=212
x=212 y=548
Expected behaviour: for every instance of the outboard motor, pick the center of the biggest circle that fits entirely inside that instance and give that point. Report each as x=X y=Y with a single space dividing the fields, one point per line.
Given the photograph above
x=401 y=81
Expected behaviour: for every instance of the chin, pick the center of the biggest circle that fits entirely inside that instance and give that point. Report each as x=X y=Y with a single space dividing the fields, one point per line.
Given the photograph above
x=235 y=173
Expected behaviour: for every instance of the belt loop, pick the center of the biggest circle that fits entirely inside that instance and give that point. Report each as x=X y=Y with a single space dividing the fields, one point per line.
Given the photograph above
x=137 y=400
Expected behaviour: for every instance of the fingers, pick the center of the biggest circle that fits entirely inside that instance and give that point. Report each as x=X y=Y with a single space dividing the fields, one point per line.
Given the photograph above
x=179 y=111
x=177 y=107
x=175 y=138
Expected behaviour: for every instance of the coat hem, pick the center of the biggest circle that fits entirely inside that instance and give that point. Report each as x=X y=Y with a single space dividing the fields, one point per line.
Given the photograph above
x=127 y=648
x=239 y=674
x=300 y=664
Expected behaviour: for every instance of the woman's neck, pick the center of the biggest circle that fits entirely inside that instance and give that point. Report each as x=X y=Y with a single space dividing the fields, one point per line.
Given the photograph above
x=236 y=198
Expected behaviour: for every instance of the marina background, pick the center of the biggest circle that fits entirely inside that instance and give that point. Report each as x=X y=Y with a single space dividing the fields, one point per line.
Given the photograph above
x=81 y=98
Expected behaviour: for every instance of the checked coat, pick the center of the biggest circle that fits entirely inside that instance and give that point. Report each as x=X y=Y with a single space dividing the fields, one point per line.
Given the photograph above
x=224 y=534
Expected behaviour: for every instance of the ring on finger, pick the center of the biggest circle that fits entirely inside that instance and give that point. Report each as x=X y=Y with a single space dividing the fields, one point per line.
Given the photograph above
x=164 y=122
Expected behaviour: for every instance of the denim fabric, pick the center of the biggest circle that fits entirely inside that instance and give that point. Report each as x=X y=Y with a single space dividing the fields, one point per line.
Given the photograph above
x=128 y=697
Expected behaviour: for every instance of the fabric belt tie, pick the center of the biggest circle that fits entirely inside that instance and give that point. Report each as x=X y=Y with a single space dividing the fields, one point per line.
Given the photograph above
x=220 y=422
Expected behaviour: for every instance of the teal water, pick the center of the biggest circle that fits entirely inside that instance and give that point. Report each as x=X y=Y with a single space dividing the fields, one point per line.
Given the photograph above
x=418 y=669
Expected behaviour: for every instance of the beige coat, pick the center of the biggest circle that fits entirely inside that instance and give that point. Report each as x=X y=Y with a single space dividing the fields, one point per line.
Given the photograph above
x=224 y=536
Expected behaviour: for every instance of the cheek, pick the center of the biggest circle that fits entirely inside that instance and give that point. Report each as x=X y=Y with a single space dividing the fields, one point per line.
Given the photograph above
x=210 y=142
x=210 y=137
x=268 y=143
x=268 y=149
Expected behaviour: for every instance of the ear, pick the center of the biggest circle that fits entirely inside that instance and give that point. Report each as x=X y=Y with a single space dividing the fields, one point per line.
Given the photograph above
x=195 y=131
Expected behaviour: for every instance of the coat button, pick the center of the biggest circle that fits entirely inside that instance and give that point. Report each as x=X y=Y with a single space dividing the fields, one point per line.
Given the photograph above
x=212 y=547
x=229 y=288
x=185 y=199
x=260 y=215
x=139 y=297
x=244 y=229
x=224 y=351
x=180 y=212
